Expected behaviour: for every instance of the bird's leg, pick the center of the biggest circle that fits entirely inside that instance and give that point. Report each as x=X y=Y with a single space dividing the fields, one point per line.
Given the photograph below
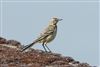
x=48 y=48
x=44 y=47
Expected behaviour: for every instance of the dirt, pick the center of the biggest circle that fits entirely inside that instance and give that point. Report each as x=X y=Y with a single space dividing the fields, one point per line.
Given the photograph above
x=12 y=57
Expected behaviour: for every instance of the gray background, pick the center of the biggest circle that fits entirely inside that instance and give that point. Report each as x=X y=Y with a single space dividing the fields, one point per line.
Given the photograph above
x=50 y=0
x=77 y=33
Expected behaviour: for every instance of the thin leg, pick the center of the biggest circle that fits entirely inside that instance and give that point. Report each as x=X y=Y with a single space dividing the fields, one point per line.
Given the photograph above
x=44 y=47
x=47 y=48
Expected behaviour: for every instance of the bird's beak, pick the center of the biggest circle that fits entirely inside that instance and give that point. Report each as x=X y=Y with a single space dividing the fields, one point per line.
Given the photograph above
x=60 y=19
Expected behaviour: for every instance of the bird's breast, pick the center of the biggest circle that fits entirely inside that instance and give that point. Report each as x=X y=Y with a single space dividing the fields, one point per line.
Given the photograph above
x=51 y=36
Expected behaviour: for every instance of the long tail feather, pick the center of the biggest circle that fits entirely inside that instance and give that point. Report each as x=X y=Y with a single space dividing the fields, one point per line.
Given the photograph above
x=27 y=46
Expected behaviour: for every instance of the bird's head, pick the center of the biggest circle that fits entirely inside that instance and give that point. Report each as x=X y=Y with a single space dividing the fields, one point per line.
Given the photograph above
x=54 y=21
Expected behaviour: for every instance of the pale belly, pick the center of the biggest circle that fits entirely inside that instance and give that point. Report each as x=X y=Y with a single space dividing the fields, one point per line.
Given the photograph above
x=49 y=38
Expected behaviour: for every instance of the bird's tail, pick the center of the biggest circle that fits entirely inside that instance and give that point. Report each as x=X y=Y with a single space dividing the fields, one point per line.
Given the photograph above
x=28 y=46
x=37 y=40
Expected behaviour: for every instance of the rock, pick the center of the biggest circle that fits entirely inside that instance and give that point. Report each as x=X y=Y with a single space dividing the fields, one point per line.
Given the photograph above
x=14 y=43
x=84 y=65
x=11 y=57
x=3 y=40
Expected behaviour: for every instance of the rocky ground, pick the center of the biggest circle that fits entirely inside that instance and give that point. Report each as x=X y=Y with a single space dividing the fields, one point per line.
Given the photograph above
x=11 y=56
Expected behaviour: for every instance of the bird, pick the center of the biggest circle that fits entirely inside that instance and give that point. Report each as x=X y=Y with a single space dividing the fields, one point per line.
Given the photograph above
x=48 y=35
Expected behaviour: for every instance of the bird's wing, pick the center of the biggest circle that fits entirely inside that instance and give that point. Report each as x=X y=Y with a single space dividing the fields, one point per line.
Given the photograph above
x=49 y=30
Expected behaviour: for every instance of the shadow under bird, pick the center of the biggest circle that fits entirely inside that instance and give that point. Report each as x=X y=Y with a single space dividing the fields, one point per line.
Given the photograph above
x=46 y=36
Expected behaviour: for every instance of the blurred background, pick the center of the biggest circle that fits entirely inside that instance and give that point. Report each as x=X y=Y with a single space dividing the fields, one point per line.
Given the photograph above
x=77 y=33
